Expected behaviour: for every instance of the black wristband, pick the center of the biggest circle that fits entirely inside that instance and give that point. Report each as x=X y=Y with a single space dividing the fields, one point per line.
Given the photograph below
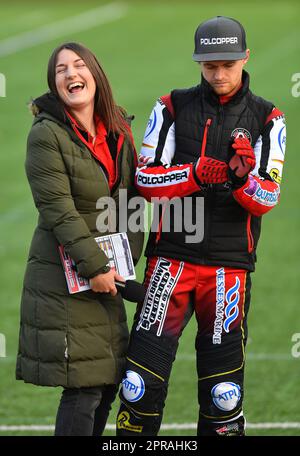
x=102 y=270
x=236 y=182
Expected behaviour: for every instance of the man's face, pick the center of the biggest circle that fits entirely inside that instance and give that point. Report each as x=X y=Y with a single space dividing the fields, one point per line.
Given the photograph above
x=224 y=75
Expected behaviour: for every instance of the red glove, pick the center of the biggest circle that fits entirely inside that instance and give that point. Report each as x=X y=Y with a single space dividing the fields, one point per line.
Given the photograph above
x=211 y=171
x=244 y=149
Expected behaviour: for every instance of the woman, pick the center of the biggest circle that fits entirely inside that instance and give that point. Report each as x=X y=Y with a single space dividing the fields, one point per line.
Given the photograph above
x=79 y=149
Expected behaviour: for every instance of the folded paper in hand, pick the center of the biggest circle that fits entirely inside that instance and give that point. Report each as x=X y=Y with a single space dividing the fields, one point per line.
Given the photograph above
x=117 y=249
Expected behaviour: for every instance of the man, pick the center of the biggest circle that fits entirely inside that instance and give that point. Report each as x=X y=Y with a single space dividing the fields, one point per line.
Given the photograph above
x=220 y=143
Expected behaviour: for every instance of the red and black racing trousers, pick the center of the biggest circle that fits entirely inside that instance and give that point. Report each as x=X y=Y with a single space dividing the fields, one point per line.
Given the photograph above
x=219 y=297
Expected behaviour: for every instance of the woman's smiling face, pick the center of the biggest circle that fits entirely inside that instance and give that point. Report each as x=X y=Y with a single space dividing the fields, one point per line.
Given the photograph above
x=75 y=83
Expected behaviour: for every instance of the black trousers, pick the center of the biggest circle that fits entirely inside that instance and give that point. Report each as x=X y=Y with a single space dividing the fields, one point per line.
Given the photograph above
x=84 y=411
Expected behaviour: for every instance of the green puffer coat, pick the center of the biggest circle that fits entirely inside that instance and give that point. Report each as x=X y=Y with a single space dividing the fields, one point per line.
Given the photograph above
x=75 y=340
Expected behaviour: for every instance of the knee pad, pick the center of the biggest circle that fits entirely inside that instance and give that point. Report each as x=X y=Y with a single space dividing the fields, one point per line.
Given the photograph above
x=142 y=396
x=221 y=398
x=148 y=366
x=145 y=383
x=143 y=391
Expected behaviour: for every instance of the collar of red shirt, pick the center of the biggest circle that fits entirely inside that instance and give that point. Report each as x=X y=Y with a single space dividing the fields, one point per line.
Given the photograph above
x=225 y=98
x=101 y=132
x=98 y=146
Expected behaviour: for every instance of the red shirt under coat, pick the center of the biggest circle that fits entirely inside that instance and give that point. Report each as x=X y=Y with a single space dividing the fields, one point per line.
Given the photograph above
x=98 y=146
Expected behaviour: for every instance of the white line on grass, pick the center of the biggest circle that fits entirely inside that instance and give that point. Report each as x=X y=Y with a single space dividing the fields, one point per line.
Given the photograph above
x=164 y=427
x=75 y=24
x=249 y=357
x=192 y=357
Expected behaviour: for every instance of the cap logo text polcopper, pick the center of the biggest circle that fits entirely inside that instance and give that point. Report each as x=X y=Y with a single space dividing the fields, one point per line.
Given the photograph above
x=224 y=40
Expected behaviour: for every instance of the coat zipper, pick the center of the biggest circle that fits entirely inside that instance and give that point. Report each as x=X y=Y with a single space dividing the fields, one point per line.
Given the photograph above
x=66 y=355
x=118 y=175
x=219 y=127
x=203 y=148
x=104 y=175
x=206 y=193
x=79 y=135
x=209 y=196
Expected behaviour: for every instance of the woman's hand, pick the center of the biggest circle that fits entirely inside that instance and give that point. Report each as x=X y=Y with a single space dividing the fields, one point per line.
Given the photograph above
x=105 y=283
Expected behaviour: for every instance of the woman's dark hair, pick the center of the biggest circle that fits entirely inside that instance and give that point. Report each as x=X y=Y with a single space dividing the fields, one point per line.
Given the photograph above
x=111 y=115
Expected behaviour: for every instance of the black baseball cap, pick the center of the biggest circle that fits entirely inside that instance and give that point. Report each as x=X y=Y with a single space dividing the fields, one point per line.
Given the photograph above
x=220 y=38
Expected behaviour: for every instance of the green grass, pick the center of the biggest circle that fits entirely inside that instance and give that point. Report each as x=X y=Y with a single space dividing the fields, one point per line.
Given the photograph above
x=146 y=54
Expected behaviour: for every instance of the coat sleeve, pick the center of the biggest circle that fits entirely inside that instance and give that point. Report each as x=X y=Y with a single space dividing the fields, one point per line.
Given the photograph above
x=156 y=174
x=51 y=191
x=261 y=192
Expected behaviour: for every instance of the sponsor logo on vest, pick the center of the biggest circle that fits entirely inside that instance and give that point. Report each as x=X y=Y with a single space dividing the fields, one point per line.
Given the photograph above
x=241 y=133
x=232 y=309
x=220 y=298
x=158 y=296
x=226 y=395
x=223 y=40
x=150 y=180
x=133 y=386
